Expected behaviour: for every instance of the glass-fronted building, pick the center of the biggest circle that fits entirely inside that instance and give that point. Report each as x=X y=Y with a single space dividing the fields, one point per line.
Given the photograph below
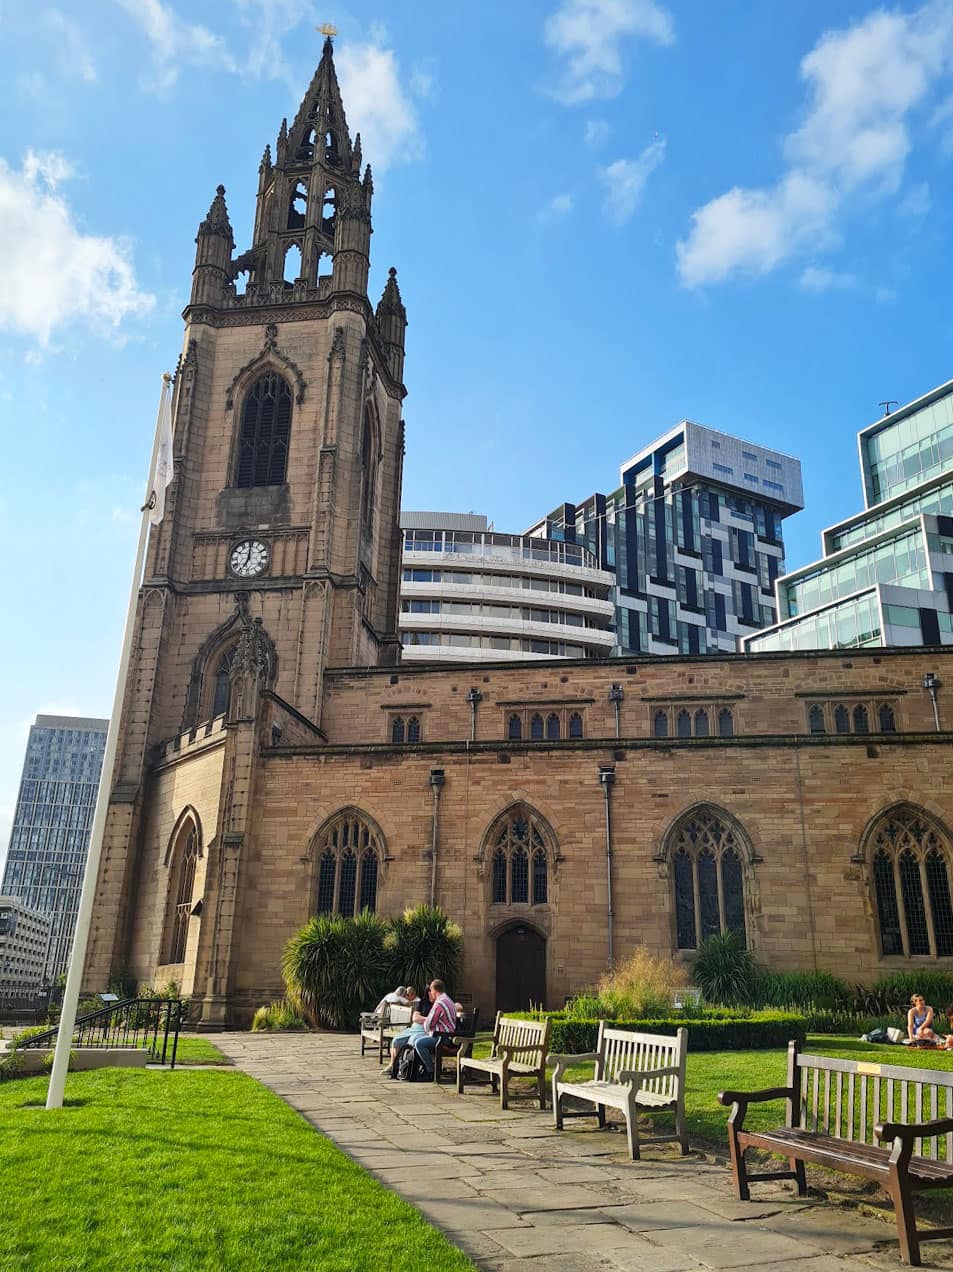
x=886 y=576
x=469 y=594
x=52 y=823
x=24 y=941
x=693 y=538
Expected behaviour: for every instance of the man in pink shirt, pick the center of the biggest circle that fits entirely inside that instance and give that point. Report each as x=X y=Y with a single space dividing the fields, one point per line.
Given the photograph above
x=440 y=1022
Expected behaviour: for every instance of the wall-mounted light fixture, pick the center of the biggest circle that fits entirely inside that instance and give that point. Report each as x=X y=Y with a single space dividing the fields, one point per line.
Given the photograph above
x=932 y=683
x=616 y=697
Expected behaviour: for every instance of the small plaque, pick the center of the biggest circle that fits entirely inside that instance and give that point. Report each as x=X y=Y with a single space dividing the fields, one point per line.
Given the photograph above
x=873 y=1069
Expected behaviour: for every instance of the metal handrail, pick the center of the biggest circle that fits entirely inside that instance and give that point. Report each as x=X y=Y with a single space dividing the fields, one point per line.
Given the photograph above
x=148 y=1023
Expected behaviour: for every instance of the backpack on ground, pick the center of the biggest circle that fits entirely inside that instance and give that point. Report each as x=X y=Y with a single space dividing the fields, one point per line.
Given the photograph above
x=408 y=1067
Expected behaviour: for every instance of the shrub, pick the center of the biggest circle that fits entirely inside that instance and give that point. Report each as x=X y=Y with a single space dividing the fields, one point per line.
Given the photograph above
x=22 y=1035
x=758 y=1030
x=46 y=1064
x=123 y=983
x=335 y=966
x=278 y=1015
x=12 y=1064
x=423 y=944
x=725 y=970
x=820 y=991
x=891 y=994
x=642 y=985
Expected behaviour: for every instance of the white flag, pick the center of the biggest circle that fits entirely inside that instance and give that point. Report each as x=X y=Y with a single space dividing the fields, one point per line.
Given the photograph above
x=163 y=472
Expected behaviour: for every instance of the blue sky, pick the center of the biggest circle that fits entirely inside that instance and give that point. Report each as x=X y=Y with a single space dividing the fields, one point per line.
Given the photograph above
x=607 y=215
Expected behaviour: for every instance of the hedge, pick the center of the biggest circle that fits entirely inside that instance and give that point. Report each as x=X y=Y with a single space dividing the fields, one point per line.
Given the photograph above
x=760 y=1031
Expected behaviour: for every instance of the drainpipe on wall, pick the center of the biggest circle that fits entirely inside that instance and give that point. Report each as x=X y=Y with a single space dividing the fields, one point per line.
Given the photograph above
x=473 y=697
x=437 y=780
x=606 y=778
x=932 y=682
x=616 y=696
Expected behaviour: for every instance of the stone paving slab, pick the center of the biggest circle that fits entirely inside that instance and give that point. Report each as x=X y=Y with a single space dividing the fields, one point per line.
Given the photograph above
x=517 y=1196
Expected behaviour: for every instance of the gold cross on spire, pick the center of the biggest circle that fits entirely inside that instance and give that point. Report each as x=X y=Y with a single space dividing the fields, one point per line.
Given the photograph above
x=327 y=29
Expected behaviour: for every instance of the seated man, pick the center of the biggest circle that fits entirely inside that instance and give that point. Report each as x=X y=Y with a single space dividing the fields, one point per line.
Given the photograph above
x=440 y=1022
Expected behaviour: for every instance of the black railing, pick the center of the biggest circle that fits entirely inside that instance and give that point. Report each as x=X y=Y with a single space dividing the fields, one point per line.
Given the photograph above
x=149 y=1024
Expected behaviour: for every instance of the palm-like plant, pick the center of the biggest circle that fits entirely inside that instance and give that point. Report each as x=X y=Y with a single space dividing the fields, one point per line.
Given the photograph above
x=335 y=967
x=725 y=971
x=423 y=945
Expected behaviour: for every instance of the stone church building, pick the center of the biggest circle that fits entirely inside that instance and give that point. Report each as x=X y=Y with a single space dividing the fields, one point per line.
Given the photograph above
x=276 y=759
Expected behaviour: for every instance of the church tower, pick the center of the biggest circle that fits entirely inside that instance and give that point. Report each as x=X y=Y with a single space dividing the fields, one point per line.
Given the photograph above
x=279 y=553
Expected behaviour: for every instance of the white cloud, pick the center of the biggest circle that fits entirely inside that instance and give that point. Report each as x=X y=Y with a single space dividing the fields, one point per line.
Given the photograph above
x=377 y=105
x=74 y=54
x=175 y=42
x=863 y=84
x=590 y=34
x=558 y=206
x=818 y=278
x=625 y=180
x=596 y=132
x=58 y=275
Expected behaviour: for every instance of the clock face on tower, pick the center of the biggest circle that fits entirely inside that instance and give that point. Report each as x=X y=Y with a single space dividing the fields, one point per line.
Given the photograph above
x=248 y=558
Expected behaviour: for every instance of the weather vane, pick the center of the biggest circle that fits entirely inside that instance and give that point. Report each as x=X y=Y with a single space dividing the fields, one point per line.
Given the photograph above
x=328 y=29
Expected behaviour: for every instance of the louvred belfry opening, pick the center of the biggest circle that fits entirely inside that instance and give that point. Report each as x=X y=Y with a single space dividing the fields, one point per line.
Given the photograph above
x=266 y=426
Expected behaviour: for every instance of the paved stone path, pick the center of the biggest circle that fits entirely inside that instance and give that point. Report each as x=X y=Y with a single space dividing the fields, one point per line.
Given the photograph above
x=515 y=1195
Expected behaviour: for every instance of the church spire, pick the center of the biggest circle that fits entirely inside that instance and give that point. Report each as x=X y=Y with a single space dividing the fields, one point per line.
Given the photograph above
x=214 y=245
x=319 y=132
x=392 y=324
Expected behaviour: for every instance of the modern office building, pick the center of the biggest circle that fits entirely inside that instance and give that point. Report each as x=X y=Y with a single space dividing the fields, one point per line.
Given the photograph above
x=24 y=939
x=469 y=594
x=51 y=824
x=886 y=576
x=693 y=538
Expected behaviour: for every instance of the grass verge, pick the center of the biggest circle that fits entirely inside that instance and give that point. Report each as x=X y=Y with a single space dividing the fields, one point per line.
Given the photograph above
x=194 y=1049
x=191 y=1172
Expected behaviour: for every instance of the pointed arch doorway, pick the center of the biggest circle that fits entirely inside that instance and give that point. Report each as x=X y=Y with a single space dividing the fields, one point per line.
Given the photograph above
x=520 y=968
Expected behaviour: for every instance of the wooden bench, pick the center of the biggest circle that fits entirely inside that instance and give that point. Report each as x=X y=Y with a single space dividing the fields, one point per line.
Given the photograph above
x=519 y=1050
x=838 y=1111
x=632 y=1071
x=378 y=1031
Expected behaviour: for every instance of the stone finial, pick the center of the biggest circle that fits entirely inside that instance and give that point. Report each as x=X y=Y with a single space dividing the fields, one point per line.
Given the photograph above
x=216 y=220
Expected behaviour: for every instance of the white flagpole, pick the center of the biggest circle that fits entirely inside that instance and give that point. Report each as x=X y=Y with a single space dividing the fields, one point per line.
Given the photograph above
x=64 y=1038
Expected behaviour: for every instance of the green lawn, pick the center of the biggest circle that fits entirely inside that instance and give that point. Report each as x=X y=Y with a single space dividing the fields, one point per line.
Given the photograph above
x=194 y=1049
x=190 y=1172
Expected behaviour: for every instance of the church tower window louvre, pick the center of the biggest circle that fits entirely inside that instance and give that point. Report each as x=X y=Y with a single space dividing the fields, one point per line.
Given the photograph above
x=349 y=854
x=707 y=879
x=910 y=880
x=265 y=431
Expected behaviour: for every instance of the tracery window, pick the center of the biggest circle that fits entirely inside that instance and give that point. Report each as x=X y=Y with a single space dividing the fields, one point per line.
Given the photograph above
x=221 y=692
x=575 y=725
x=413 y=729
x=701 y=723
x=660 y=724
x=514 y=727
x=910 y=861
x=536 y=728
x=552 y=727
x=726 y=723
x=349 y=855
x=397 y=730
x=707 y=879
x=861 y=719
x=841 y=719
x=520 y=861
x=265 y=429
x=368 y=474
x=683 y=724
x=886 y=718
x=184 y=858
x=815 y=719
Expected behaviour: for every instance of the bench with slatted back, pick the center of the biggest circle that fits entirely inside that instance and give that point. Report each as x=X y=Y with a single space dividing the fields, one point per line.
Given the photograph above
x=519 y=1050
x=843 y=1114
x=632 y=1071
x=379 y=1030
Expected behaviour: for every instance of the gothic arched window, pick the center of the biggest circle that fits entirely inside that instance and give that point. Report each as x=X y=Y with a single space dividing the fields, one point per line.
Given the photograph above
x=520 y=859
x=861 y=719
x=536 y=728
x=683 y=725
x=514 y=728
x=221 y=692
x=368 y=474
x=397 y=730
x=413 y=729
x=726 y=723
x=183 y=860
x=707 y=878
x=552 y=727
x=841 y=719
x=265 y=430
x=349 y=856
x=910 y=866
x=886 y=718
x=701 y=723
x=575 y=725
x=298 y=206
x=660 y=724
x=815 y=719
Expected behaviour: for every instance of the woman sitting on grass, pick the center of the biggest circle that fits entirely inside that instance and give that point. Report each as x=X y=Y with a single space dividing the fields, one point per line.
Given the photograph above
x=920 y=1021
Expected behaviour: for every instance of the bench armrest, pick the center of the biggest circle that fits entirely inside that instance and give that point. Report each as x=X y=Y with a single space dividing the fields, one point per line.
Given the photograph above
x=562 y=1063
x=368 y=1018
x=741 y=1099
x=910 y=1131
x=638 y=1077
